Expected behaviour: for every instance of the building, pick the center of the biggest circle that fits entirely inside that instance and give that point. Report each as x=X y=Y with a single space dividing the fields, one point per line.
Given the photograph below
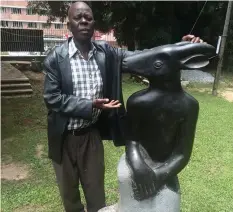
x=14 y=14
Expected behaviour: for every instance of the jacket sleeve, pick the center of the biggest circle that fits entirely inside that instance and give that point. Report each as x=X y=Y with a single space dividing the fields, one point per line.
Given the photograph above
x=57 y=101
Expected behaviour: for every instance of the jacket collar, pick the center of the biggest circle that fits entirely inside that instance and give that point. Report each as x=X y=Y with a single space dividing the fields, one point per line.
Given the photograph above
x=73 y=50
x=63 y=51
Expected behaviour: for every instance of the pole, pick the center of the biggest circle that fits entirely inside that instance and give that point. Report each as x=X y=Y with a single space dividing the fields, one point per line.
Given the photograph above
x=222 y=48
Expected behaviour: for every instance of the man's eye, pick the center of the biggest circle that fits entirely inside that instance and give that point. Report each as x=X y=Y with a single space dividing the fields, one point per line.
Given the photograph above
x=77 y=18
x=89 y=18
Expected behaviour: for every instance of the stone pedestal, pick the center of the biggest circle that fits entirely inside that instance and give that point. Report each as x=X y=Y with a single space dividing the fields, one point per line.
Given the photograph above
x=111 y=208
x=166 y=200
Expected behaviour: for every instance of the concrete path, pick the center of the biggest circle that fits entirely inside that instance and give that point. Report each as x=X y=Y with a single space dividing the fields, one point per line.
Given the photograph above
x=13 y=82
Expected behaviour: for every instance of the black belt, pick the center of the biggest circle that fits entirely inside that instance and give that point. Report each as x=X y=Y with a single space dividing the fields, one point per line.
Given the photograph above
x=80 y=131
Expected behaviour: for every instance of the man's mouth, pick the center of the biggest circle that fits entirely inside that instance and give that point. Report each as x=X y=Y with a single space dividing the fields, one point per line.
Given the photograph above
x=84 y=30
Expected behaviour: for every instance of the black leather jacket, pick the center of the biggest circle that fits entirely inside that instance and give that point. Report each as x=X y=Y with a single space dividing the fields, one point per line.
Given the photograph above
x=62 y=104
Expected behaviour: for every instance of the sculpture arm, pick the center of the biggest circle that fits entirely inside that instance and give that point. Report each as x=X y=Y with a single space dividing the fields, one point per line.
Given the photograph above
x=182 y=153
x=133 y=155
x=144 y=179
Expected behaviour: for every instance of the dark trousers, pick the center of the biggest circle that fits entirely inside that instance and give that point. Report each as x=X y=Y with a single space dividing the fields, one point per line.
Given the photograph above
x=83 y=161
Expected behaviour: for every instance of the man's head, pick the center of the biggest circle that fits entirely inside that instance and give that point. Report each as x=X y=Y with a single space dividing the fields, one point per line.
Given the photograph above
x=81 y=21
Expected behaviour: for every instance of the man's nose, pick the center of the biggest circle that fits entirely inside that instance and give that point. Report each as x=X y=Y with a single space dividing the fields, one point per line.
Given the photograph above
x=83 y=20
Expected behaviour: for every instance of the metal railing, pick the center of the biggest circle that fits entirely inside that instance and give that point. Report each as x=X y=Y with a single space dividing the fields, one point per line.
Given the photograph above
x=51 y=37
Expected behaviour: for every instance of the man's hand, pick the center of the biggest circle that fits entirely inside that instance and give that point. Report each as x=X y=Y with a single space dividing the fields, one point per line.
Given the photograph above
x=192 y=39
x=105 y=104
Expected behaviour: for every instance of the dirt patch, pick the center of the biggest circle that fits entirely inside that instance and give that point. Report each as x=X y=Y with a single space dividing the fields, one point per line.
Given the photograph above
x=202 y=90
x=228 y=94
x=39 y=151
x=14 y=171
x=8 y=140
x=31 y=208
x=28 y=121
x=35 y=76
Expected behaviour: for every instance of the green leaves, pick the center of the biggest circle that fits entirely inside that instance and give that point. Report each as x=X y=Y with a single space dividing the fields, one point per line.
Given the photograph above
x=145 y=24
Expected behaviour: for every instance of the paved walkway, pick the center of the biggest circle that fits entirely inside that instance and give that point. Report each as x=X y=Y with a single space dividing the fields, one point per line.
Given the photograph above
x=9 y=72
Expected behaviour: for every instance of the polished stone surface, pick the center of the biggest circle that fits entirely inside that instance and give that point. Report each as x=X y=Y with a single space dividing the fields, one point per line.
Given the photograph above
x=111 y=208
x=165 y=201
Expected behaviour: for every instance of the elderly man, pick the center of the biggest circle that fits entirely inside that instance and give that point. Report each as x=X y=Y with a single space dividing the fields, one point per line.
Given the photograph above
x=82 y=91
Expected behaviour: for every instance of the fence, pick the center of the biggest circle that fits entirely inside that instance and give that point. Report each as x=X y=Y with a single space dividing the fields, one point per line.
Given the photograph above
x=30 y=39
x=22 y=40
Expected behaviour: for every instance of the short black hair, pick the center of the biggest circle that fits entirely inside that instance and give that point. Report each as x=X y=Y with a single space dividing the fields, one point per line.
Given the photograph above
x=86 y=2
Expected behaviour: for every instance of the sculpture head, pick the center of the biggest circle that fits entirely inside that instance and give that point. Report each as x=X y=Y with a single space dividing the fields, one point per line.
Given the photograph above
x=166 y=61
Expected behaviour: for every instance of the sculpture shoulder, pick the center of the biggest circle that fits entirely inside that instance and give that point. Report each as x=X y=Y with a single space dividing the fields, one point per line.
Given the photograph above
x=148 y=101
x=138 y=98
x=192 y=102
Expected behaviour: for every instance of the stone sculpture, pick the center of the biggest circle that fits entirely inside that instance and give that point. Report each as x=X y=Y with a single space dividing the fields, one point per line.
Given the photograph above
x=160 y=128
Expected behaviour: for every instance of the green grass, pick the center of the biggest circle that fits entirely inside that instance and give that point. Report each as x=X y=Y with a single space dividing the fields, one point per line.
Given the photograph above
x=206 y=183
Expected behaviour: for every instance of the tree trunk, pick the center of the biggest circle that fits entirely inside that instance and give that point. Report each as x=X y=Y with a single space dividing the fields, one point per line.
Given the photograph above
x=222 y=48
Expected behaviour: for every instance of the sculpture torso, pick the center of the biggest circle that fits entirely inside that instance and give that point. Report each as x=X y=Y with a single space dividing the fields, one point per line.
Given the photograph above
x=154 y=117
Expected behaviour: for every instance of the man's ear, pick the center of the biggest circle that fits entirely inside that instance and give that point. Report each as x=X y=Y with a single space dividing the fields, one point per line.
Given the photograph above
x=68 y=26
x=195 y=62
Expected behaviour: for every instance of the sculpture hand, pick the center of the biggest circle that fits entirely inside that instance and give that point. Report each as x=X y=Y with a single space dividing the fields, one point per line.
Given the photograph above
x=144 y=182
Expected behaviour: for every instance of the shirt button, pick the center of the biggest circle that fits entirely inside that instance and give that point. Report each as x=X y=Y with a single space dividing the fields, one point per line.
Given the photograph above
x=90 y=75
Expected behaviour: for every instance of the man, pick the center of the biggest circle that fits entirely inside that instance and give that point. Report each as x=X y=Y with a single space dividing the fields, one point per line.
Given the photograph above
x=82 y=91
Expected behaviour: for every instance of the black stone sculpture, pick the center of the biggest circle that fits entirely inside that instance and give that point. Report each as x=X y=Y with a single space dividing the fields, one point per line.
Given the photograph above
x=161 y=124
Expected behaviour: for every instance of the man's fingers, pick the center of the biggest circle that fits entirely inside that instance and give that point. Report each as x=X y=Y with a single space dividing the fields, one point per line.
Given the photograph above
x=114 y=102
x=110 y=106
x=193 y=40
x=105 y=104
x=197 y=40
x=113 y=106
x=188 y=37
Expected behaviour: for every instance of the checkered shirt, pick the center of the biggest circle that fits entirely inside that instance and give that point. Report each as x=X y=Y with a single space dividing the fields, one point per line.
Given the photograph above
x=87 y=82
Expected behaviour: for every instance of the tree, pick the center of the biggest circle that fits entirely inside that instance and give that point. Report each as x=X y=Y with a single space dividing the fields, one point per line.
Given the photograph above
x=144 y=24
x=59 y=9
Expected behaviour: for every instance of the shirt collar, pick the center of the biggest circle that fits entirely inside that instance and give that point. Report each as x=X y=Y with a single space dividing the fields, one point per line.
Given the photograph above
x=73 y=49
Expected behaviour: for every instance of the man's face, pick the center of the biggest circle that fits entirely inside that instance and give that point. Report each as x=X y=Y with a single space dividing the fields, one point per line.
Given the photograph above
x=81 y=22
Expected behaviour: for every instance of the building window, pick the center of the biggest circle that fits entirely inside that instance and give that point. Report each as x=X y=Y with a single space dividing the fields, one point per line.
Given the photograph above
x=17 y=24
x=58 y=26
x=30 y=12
x=3 y=9
x=15 y=10
x=4 y=23
x=32 y=25
x=45 y=26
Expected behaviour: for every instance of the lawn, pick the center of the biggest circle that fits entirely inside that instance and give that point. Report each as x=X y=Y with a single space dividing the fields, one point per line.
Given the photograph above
x=206 y=183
